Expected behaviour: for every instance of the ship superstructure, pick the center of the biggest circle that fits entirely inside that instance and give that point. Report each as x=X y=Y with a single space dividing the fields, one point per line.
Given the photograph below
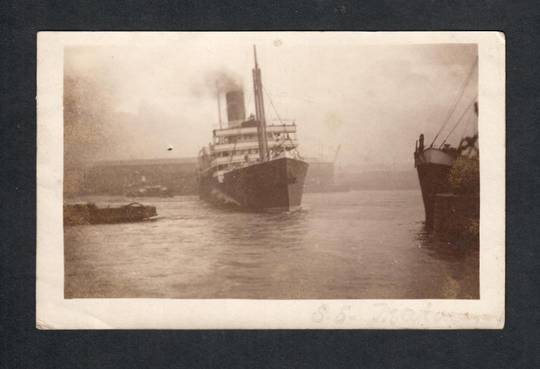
x=249 y=163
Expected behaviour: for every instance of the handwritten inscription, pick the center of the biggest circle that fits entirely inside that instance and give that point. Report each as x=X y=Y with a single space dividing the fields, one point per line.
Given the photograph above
x=384 y=314
x=324 y=314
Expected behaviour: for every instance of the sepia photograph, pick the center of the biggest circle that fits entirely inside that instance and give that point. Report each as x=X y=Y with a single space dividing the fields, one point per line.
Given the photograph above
x=268 y=167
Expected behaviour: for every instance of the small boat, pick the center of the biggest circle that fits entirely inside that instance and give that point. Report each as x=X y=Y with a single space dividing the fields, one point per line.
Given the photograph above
x=89 y=213
x=150 y=191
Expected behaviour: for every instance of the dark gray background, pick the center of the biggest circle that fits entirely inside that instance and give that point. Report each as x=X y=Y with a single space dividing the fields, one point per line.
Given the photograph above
x=25 y=347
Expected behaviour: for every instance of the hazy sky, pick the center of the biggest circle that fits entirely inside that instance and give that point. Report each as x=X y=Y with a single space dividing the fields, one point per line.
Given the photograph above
x=373 y=100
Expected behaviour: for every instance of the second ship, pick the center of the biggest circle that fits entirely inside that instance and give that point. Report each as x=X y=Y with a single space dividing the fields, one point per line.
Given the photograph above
x=250 y=164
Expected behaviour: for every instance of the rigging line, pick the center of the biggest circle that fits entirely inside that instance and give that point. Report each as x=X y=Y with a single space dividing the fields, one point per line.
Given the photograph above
x=459 y=120
x=272 y=104
x=465 y=126
x=457 y=101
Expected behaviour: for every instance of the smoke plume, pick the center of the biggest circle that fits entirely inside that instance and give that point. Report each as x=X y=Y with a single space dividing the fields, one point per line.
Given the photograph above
x=217 y=81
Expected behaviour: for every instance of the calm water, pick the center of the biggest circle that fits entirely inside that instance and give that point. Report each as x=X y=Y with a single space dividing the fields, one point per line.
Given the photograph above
x=364 y=244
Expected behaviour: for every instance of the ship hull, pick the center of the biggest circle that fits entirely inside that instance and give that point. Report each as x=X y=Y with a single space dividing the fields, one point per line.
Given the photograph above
x=274 y=185
x=433 y=167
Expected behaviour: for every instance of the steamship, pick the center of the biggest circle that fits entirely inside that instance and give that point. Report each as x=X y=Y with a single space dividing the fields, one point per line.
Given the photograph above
x=250 y=164
x=434 y=164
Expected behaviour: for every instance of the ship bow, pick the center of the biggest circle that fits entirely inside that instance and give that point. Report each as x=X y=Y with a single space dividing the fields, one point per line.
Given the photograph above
x=274 y=185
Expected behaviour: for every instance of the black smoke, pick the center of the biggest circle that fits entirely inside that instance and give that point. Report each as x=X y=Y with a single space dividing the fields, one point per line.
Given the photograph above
x=216 y=81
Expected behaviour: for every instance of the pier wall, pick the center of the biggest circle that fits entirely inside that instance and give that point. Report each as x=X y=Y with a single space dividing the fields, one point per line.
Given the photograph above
x=456 y=217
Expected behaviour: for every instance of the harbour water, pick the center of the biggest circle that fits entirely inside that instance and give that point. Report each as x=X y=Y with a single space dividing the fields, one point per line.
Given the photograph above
x=358 y=244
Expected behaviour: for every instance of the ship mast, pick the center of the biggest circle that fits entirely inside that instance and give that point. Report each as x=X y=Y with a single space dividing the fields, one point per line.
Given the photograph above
x=219 y=106
x=259 y=110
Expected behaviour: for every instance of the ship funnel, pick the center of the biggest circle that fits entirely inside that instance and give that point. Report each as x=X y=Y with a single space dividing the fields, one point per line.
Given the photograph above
x=236 y=111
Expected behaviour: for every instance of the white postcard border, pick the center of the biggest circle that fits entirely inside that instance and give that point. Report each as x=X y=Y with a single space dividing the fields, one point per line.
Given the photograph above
x=55 y=312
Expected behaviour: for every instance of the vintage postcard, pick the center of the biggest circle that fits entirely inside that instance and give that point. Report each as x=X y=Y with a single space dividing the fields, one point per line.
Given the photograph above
x=270 y=180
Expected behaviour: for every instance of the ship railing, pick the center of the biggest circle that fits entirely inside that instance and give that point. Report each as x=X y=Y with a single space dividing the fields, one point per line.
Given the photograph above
x=274 y=128
x=247 y=145
x=241 y=162
x=232 y=166
x=282 y=122
x=234 y=159
x=292 y=154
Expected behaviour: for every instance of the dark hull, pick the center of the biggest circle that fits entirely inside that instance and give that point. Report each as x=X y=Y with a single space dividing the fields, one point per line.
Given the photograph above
x=433 y=180
x=272 y=185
